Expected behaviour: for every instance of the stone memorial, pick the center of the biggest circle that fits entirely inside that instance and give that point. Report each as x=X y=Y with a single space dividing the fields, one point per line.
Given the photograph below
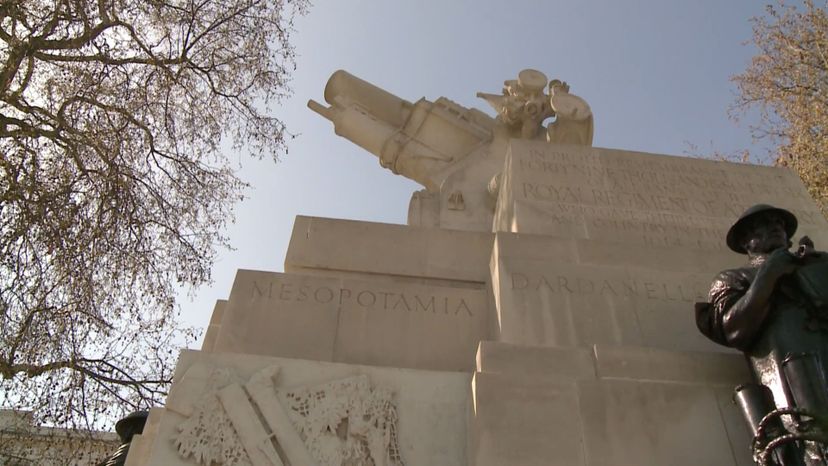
x=536 y=310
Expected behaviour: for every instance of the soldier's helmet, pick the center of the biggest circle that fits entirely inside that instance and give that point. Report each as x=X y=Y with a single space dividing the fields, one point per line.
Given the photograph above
x=736 y=232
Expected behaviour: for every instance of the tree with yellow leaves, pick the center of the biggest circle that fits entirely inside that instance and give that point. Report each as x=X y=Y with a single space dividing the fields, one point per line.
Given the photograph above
x=788 y=82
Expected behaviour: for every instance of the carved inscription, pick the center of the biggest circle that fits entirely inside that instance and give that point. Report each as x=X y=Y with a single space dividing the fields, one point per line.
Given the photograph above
x=365 y=298
x=648 y=228
x=659 y=184
x=628 y=217
x=632 y=288
x=626 y=200
x=667 y=173
x=658 y=201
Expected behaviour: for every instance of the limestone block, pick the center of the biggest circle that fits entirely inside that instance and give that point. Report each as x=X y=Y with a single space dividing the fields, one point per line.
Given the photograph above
x=214 y=326
x=614 y=362
x=322 y=245
x=525 y=421
x=504 y=358
x=303 y=326
x=607 y=406
x=638 y=423
x=430 y=406
x=140 y=450
x=546 y=303
x=608 y=253
x=652 y=364
x=357 y=321
x=567 y=291
x=638 y=198
x=139 y=447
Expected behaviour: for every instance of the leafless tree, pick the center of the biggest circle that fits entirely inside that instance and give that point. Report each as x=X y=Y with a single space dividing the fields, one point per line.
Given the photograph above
x=788 y=82
x=114 y=188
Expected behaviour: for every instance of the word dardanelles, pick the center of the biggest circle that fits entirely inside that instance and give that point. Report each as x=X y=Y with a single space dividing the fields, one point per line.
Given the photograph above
x=371 y=299
x=624 y=288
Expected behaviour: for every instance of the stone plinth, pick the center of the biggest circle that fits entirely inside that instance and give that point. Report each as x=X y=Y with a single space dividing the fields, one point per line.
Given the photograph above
x=326 y=246
x=638 y=198
x=430 y=408
x=609 y=405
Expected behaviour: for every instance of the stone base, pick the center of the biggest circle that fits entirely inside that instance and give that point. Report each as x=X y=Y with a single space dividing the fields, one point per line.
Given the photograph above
x=615 y=406
x=430 y=409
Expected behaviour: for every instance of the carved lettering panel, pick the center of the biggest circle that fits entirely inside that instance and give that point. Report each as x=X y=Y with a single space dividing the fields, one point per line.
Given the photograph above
x=367 y=322
x=640 y=198
x=370 y=298
x=557 y=304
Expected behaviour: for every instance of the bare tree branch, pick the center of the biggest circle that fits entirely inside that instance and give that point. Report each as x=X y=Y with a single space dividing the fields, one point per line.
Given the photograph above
x=113 y=192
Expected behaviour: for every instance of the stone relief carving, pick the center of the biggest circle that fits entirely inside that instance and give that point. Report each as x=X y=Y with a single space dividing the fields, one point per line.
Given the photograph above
x=456 y=202
x=523 y=107
x=573 y=123
x=345 y=422
x=208 y=436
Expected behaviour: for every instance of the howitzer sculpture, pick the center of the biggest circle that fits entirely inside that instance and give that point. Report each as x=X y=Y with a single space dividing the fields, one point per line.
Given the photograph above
x=775 y=310
x=455 y=152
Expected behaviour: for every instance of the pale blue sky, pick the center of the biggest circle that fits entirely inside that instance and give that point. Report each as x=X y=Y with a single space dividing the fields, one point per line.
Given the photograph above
x=655 y=72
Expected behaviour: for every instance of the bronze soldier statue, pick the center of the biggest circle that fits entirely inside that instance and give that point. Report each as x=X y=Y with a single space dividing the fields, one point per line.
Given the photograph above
x=775 y=310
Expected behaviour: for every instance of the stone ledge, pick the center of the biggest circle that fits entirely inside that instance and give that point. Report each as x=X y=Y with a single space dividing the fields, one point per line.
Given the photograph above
x=380 y=248
x=612 y=362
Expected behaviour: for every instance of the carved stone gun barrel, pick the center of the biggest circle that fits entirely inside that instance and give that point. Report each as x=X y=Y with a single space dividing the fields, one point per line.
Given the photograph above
x=417 y=140
x=361 y=112
x=378 y=102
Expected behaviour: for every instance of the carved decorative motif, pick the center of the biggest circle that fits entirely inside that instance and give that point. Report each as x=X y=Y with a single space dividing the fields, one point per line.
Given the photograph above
x=208 y=435
x=523 y=107
x=456 y=202
x=345 y=422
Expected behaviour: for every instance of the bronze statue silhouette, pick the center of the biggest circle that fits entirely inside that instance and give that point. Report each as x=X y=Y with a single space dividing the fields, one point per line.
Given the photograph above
x=775 y=310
